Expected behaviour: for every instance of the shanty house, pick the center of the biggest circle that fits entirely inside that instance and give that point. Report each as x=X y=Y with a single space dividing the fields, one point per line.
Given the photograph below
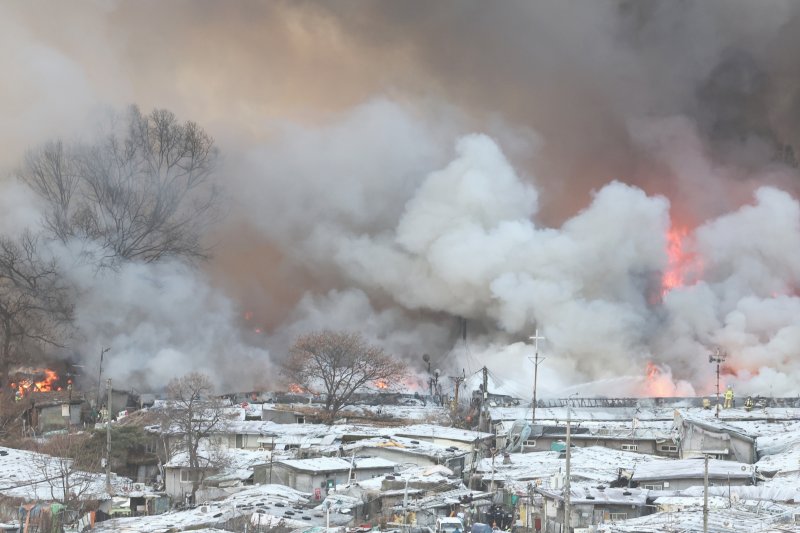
x=322 y=473
x=405 y=450
x=48 y=411
x=445 y=436
x=684 y=473
x=282 y=415
x=591 y=506
x=642 y=440
x=697 y=437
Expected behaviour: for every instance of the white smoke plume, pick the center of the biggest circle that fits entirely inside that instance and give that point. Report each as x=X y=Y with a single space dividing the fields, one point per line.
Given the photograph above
x=526 y=175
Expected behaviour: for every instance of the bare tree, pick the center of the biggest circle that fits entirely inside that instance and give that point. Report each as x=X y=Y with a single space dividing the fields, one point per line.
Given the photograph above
x=194 y=416
x=339 y=364
x=139 y=193
x=35 y=304
x=67 y=469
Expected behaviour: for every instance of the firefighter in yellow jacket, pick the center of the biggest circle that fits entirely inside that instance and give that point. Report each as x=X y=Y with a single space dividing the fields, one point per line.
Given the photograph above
x=728 y=398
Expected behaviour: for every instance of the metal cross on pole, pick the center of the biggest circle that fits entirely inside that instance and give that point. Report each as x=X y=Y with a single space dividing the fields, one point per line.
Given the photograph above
x=536 y=338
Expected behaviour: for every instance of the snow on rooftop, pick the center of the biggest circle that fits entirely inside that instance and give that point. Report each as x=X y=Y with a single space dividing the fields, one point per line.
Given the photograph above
x=716 y=425
x=232 y=458
x=645 y=410
x=594 y=463
x=274 y=500
x=597 y=496
x=439 y=432
x=407 y=445
x=691 y=469
x=788 y=493
x=740 y=518
x=337 y=464
x=687 y=502
x=777 y=438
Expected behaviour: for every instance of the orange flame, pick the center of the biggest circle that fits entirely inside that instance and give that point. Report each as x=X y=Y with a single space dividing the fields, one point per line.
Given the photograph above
x=46 y=384
x=682 y=266
x=382 y=384
x=296 y=389
x=657 y=383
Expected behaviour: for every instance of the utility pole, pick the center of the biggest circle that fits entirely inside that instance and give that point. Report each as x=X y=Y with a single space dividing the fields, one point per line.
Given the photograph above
x=108 y=438
x=705 y=494
x=271 y=455
x=99 y=377
x=567 y=488
x=536 y=338
x=405 y=503
x=717 y=357
x=458 y=380
x=484 y=419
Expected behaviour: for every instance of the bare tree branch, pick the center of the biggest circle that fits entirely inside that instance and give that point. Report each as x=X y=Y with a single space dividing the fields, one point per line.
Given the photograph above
x=35 y=304
x=339 y=364
x=142 y=194
x=194 y=415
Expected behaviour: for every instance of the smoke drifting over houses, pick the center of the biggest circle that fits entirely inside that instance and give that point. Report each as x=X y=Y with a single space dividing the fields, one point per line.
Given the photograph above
x=620 y=175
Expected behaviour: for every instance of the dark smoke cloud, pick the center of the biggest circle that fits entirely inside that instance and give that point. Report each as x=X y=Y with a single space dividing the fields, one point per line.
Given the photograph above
x=343 y=127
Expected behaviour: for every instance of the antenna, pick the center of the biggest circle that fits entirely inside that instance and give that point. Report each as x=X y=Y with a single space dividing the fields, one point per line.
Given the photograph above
x=717 y=357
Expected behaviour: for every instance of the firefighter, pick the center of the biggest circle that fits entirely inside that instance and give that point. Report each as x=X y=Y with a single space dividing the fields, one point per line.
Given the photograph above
x=728 y=398
x=748 y=403
x=706 y=403
x=17 y=396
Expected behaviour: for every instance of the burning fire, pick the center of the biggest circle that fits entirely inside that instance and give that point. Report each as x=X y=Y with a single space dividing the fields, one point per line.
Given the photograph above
x=658 y=383
x=296 y=389
x=682 y=266
x=47 y=381
x=382 y=384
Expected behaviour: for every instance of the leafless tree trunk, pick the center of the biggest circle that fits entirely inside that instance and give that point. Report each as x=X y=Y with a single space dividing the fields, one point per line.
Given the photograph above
x=140 y=193
x=339 y=364
x=195 y=415
x=35 y=306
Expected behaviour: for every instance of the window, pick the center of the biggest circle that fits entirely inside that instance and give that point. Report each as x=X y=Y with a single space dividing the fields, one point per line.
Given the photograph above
x=300 y=419
x=240 y=440
x=530 y=443
x=668 y=448
x=618 y=516
x=188 y=476
x=653 y=487
x=630 y=447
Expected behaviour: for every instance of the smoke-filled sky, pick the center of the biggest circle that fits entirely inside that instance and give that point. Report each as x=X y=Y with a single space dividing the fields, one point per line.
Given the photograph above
x=392 y=167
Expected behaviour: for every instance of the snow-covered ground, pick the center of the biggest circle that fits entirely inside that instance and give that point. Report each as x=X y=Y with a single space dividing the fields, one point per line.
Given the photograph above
x=35 y=476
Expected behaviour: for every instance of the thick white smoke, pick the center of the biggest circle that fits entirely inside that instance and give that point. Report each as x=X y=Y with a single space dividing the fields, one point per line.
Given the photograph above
x=466 y=244
x=159 y=321
x=362 y=199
